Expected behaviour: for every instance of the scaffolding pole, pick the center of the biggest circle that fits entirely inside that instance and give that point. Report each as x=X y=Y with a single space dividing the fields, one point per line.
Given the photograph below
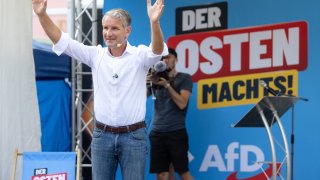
x=76 y=12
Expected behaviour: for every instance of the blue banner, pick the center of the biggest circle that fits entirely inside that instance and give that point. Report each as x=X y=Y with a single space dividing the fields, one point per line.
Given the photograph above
x=49 y=165
x=228 y=47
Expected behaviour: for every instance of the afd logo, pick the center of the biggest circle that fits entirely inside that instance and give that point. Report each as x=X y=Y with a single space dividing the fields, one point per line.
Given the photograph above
x=237 y=157
x=235 y=154
x=241 y=156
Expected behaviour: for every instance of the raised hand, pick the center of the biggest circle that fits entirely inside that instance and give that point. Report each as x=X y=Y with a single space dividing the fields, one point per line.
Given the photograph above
x=155 y=10
x=39 y=6
x=53 y=31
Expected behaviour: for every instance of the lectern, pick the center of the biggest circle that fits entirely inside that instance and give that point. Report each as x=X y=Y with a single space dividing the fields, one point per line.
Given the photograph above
x=264 y=114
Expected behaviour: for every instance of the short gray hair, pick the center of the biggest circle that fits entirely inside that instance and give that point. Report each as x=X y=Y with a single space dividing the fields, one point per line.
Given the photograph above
x=121 y=14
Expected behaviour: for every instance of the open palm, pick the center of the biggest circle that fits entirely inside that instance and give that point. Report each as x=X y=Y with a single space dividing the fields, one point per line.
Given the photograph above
x=155 y=10
x=39 y=6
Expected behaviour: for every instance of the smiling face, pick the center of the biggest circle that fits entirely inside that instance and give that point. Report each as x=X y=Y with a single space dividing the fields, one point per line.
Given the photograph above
x=114 y=32
x=116 y=25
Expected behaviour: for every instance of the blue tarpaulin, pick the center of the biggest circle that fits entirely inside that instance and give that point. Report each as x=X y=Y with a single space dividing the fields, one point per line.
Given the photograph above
x=48 y=65
x=54 y=97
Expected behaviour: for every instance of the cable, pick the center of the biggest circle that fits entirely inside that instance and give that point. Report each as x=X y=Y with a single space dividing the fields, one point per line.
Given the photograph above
x=94 y=93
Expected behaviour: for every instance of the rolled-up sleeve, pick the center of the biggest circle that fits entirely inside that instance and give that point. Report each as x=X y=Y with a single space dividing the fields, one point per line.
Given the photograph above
x=153 y=58
x=62 y=44
x=164 y=51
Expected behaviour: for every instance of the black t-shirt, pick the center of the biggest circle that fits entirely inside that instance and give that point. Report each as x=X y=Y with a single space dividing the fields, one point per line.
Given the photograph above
x=167 y=115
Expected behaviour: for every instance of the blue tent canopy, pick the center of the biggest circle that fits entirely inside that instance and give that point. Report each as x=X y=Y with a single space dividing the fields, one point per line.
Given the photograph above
x=54 y=97
x=48 y=65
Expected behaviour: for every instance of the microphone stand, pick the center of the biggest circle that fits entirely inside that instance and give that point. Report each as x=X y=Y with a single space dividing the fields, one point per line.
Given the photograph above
x=279 y=93
x=292 y=140
x=292 y=128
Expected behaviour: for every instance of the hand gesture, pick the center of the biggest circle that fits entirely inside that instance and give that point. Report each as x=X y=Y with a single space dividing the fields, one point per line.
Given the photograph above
x=155 y=10
x=39 y=6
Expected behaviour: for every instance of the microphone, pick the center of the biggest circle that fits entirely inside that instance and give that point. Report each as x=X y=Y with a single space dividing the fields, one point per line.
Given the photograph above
x=269 y=89
x=160 y=66
x=115 y=75
x=119 y=45
x=121 y=42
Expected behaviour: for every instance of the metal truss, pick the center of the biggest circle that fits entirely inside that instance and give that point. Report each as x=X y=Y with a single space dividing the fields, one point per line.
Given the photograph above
x=82 y=113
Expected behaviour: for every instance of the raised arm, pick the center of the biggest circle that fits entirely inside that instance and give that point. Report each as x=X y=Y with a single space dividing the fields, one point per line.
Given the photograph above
x=53 y=32
x=154 y=13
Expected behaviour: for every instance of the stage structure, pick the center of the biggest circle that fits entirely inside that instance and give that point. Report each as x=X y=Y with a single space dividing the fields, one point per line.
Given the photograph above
x=77 y=12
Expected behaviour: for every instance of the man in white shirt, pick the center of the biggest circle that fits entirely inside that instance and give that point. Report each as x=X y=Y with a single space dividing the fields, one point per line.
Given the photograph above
x=119 y=78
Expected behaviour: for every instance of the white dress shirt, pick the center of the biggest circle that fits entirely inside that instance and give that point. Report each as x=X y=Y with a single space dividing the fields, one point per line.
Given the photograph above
x=119 y=82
